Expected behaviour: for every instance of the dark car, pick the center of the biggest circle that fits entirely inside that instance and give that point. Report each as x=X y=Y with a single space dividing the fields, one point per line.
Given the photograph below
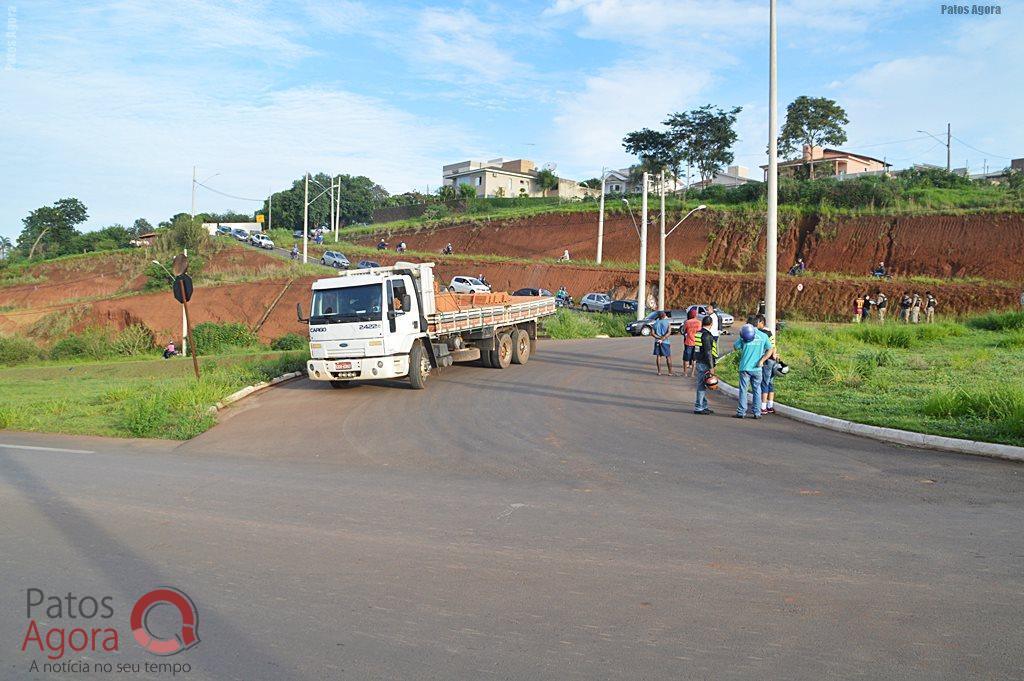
x=223 y=230
x=622 y=307
x=367 y=264
x=643 y=327
x=297 y=234
x=532 y=292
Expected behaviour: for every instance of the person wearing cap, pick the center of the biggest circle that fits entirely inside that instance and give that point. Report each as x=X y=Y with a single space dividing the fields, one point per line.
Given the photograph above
x=754 y=350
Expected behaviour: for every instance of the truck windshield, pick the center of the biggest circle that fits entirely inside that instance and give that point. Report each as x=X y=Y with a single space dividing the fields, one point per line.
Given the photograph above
x=350 y=304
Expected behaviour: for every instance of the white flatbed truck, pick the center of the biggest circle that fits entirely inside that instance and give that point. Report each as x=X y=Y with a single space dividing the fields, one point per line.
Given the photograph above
x=389 y=322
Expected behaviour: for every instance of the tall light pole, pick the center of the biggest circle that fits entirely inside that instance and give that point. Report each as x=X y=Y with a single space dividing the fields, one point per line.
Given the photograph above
x=270 y=217
x=600 y=220
x=305 y=221
x=193 y=213
x=641 y=291
x=661 y=260
x=665 y=235
x=948 y=143
x=772 y=233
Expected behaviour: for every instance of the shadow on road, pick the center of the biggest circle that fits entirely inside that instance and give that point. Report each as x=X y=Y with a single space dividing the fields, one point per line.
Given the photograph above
x=575 y=396
x=132 y=575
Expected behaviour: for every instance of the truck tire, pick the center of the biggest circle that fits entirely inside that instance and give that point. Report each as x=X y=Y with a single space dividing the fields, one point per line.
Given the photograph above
x=485 y=358
x=501 y=356
x=419 y=366
x=520 y=347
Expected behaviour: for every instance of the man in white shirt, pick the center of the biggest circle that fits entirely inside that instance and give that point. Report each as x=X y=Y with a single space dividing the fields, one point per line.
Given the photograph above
x=716 y=321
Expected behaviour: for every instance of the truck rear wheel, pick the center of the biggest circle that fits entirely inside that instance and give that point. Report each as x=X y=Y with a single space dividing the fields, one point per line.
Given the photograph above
x=520 y=347
x=485 y=358
x=501 y=356
x=419 y=366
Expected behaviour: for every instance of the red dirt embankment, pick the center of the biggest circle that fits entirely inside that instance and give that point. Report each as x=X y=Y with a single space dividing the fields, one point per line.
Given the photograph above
x=986 y=246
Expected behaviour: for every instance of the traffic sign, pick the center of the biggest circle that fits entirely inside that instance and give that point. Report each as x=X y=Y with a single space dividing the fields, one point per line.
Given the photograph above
x=180 y=264
x=259 y=218
x=182 y=288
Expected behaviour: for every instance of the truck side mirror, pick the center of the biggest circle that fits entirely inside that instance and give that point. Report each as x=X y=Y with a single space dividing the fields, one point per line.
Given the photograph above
x=298 y=313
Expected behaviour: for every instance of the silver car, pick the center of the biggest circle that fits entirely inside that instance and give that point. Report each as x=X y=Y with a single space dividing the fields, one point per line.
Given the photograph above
x=702 y=312
x=335 y=259
x=595 y=302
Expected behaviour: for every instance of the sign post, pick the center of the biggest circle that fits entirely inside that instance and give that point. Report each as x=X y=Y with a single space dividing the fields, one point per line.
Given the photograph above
x=182 y=289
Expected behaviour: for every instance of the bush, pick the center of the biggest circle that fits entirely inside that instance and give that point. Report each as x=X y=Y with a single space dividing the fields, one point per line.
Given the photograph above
x=436 y=211
x=998 y=321
x=888 y=336
x=1014 y=340
x=136 y=339
x=1002 y=405
x=213 y=337
x=289 y=341
x=92 y=343
x=18 y=350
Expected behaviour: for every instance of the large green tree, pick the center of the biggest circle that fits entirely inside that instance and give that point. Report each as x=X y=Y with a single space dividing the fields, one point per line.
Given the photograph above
x=359 y=195
x=140 y=226
x=814 y=121
x=50 y=230
x=705 y=137
x=547 y=180
x=656 y=150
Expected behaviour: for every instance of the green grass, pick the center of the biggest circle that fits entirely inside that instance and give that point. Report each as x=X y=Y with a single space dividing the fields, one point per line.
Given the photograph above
x=948 y=379
x=568 y=324
x=141 y=398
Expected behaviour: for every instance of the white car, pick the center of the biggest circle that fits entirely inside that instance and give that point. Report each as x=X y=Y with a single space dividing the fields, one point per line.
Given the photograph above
x=262 y=241
x=595 y=302
x=468 y=285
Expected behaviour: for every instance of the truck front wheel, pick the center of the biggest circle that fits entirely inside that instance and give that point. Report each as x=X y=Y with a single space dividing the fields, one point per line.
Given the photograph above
x=419 y=366
x=520 y=346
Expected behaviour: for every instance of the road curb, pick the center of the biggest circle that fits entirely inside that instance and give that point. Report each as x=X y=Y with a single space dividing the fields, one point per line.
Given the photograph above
x=250 y=389
x=893 y=435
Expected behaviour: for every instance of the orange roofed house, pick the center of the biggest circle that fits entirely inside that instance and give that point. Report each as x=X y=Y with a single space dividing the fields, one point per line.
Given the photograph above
x=818 y=162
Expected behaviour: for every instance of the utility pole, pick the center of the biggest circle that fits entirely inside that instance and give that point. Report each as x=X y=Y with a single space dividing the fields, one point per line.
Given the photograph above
x=949 y=147
x=270 y=218
x=305 y=222
x=661 y=263
x=600 y=221
x=641 y=291
x=772 y=235
x=193 y=213
x=330 y=197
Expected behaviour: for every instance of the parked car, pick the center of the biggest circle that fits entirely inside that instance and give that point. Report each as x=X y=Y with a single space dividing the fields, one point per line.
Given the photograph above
x=223 y=230
x=622 y=307
x=261 y=241
x=532 y=292
x=335 y=259
x=240 y=234
x=595 y=302
x=702 y=312
x=367 y=264
x=643 y=327
x=297 y=234
x=468 y=285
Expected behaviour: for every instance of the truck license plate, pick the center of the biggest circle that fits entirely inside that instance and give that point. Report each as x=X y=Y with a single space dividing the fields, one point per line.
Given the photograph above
x=341 y=366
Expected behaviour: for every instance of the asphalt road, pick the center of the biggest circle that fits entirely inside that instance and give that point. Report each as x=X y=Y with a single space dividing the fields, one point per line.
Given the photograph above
x=566 y=519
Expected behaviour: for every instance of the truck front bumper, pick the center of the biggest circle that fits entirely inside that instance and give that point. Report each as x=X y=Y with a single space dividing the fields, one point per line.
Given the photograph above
x=358 y=369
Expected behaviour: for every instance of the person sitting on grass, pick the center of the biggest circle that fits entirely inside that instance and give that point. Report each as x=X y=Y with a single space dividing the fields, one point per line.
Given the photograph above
x=662 y=329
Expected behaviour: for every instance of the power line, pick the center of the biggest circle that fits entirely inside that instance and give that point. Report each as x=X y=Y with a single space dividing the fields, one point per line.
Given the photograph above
x=230 y=196
x=981 y=151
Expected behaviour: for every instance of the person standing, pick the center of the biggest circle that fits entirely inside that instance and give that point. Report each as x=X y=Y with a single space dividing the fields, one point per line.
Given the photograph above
x=915 y=309
x=905 y=308
x=929 y=307
x=662 y=330
x=691 y=327
x=716 y=321
x=868 y=303
x=768 y=370
x=881 y=302
x=706 y=357
x=858 y=308
x=754 y=352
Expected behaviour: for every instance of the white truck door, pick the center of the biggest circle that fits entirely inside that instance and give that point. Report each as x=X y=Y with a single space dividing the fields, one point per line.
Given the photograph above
x=403 y=321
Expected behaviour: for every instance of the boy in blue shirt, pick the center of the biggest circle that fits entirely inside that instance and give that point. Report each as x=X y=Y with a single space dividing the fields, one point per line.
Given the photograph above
x=662 y=329
x=755 y=349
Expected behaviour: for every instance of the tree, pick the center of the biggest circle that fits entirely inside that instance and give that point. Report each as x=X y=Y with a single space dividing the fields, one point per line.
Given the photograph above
x=467 y=191
x=814 y=121
x=446 y=192
x=547 y=180
x=705 y=137
x=184 y=232
x=657 y=151
x=5 y=247
x=359 y=196
x=140 y=226
x=592 y=183
x=50 y=230
x=106 y=239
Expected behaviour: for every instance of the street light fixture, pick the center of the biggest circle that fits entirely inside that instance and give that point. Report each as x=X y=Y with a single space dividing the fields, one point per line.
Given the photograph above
x=948 y=144
x=661 y=267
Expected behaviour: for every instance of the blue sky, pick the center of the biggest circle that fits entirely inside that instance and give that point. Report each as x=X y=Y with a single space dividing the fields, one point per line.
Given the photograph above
x=113 y=102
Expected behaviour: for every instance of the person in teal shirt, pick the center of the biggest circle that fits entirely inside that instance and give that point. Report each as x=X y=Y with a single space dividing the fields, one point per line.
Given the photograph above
x=754 y=349
x=662 y=331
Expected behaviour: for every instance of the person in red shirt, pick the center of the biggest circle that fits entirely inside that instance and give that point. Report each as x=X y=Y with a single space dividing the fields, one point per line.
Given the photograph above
x=691 y=327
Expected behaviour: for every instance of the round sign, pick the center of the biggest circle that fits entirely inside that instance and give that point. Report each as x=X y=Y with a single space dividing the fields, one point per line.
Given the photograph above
x=180 y=264
x=799 y=287
x=182 y=288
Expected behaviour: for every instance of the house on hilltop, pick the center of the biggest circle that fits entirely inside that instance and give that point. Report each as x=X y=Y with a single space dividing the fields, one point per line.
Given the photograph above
x=819 y=162
x=498 y=177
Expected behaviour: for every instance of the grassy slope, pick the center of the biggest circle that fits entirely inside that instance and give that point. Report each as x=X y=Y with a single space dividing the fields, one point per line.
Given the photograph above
x=130 y=398
x=944 y=379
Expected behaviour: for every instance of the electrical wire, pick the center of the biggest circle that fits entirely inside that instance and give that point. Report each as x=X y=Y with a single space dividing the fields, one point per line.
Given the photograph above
x=980 y=151
x=230 y=196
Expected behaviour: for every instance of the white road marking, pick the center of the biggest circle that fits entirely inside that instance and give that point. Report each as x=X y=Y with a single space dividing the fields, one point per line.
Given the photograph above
x=49 y=449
